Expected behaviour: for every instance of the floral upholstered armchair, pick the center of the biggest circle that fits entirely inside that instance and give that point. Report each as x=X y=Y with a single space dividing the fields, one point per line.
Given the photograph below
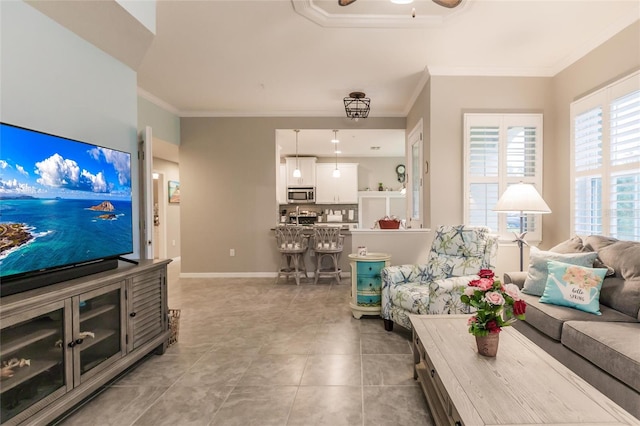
x=457 y=255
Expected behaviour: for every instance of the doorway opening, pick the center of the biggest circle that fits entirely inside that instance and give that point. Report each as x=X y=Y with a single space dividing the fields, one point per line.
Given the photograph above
x=159 y=216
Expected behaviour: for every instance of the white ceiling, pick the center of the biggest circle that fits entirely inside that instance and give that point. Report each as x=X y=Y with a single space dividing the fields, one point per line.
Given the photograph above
x=301 y=57
x=353 y=143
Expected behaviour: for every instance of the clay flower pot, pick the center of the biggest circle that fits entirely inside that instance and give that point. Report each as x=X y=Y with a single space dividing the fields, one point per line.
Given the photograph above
x=488 y=345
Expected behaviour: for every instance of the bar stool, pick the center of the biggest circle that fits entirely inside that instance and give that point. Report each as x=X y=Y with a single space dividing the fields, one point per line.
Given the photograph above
x=327 y=243
x=292 y=244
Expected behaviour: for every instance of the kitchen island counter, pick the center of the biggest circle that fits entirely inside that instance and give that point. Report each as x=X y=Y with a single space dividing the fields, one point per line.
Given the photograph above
x=379 y=231
x=344 y=229
x=310 y=258
x=406 y=246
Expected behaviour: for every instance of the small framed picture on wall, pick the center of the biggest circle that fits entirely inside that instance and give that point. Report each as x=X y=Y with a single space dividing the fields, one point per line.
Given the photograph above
x=174 y=191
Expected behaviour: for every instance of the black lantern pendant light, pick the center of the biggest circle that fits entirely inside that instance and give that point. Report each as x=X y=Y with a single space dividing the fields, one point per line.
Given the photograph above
x=357 y=106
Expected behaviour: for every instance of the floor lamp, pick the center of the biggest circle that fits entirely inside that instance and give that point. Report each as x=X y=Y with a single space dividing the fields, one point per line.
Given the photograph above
x=521 y=198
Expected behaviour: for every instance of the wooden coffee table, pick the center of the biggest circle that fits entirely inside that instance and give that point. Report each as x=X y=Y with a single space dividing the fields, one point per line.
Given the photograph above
x=522 y=385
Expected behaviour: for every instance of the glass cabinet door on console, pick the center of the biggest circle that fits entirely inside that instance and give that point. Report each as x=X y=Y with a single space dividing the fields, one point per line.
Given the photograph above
x=98 y=335
x=32 y=357
x=59 y=345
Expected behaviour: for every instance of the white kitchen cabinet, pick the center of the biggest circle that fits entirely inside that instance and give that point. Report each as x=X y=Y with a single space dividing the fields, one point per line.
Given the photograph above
x=307 y=170
x=340 y=190
x=282 y=184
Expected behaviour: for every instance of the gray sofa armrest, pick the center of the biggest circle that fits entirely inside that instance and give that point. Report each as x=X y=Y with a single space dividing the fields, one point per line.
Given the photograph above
x=516 y=278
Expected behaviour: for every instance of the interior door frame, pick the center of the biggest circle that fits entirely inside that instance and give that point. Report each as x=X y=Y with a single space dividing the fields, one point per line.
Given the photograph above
x=414 y=175
x=145 y=159
x=162 y=213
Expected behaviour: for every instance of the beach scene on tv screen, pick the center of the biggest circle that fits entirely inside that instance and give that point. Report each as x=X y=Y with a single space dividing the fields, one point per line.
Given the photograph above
x=62 y=202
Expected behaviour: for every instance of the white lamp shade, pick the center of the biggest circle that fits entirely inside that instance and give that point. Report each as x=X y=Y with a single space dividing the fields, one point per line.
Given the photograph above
x=521 y=197
x=296 y=173
x=336 y=173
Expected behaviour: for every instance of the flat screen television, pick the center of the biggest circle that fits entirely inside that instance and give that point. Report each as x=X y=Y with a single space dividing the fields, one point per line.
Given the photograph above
x=65 y=208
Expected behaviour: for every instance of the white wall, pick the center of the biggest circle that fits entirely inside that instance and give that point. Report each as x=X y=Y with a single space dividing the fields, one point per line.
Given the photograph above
x=56 y=82
x=372 y=170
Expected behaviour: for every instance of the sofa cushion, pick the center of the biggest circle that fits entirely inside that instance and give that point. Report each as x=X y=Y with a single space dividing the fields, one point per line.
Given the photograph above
x=576 y=245
x=614 y=347
x=621 y=292
x=574 y=286
x=548 y=319
x=572 y=245
x=537 y=273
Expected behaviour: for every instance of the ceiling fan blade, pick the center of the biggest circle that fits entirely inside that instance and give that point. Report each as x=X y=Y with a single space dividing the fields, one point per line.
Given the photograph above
x=345 y=2
x=447 y=3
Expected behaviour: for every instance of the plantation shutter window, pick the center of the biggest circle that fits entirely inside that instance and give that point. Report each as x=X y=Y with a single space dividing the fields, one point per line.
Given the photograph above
x=605 y=168
x=500 y=150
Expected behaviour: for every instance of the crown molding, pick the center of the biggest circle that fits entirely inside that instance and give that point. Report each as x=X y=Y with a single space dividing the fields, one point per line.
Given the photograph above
x=158 y=102
x=424 y=78
x=245 y=114
x=296 y=113
x=491 y=71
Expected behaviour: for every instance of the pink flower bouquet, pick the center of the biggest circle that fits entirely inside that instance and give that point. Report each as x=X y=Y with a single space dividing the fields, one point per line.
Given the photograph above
x=496 y=305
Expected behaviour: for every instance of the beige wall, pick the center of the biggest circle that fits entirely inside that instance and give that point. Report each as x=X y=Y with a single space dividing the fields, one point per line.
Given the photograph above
x=451 y=97
x=615 y=58
x=421 y=109
x=227 y=165
x=228 y=178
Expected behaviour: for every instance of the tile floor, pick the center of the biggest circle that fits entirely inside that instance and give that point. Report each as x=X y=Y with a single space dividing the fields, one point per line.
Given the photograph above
x=251 y=352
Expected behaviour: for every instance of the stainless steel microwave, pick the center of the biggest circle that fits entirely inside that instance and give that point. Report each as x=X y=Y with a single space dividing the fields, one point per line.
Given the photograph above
x=301 y=194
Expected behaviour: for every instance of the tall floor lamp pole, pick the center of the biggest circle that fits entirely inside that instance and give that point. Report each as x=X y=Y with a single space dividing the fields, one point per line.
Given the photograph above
x=521 y=198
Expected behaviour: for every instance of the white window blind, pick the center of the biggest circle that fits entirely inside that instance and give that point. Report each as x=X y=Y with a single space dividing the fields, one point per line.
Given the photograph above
x=501 y=150
x=588 y=137
x=605 y=172
x=483 y=150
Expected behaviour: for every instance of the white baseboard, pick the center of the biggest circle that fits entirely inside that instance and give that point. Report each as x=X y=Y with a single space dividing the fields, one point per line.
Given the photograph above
x=239 y=274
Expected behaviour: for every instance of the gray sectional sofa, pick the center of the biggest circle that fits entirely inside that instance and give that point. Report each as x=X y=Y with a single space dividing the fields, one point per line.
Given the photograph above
x=603 y=349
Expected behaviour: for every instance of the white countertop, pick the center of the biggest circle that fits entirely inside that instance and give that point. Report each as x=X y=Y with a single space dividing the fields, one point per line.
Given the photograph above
x=378 y=231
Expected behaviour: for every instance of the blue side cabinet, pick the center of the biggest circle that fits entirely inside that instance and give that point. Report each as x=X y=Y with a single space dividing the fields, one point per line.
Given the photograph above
x=366 y=283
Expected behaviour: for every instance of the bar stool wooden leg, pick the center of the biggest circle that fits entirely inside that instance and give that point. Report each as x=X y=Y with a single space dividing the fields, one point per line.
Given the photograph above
x=334 y=257
x=318 y=264
x=296 y=268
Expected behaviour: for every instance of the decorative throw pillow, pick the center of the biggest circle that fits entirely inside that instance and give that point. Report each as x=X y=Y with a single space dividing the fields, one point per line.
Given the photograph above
x=574 y=286
x=600 y=264
x=536 y=279
x=576 y=245
x=572 y=245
